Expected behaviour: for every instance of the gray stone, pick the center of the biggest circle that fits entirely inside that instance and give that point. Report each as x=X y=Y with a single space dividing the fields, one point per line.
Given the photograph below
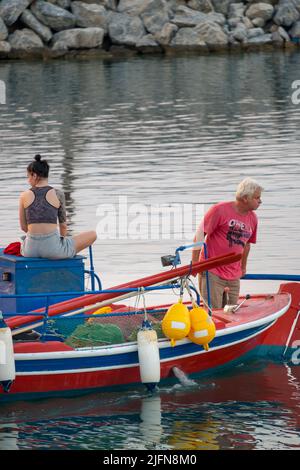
x=286 y=14
x=239 y=33
x=263 y=39
x=294 y=32
x=25 y=40
x=258 y=22
x=218 y=18
x=3 y=30
x=201 y=5
x=78 y=38
x=183 y=21
x=222 y=6
x=53 y=16
x=124 y=29
x=61 y=3
x=277 y=38
x=109 y=4
x=260 y=10
x=33 y=23
x=247 y=22
x=296 y=4
x=236 y=10
x=212 y=34
x=5 y=48
x=187 y=17
x=188 y=37
x=283 y=34
x=233 y=22
x=146 y=41
x=155 y=14
x=165 y=36
x=255 y=32
x=89 y=15
x=131 y=7
x=10 y=10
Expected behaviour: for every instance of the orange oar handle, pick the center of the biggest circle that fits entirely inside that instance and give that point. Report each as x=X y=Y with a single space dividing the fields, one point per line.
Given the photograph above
x=89 y=299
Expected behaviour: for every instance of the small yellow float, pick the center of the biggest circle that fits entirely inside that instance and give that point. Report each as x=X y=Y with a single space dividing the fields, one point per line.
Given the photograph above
x=176 y=323
x=203 y=329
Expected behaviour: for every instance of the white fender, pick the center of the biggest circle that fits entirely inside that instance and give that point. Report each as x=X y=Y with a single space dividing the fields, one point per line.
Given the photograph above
x=7 y=360
x=148 y=353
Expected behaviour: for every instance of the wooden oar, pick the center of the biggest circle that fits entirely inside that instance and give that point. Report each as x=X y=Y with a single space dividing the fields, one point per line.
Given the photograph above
x=93 y=299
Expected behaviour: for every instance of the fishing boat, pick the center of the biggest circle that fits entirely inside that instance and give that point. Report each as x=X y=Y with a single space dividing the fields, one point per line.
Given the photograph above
x=44 y=304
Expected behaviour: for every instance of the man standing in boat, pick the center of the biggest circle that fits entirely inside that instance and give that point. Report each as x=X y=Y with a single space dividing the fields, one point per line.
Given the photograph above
x=228 y=227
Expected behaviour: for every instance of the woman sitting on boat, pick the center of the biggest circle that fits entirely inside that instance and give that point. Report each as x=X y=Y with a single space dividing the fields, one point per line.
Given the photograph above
x=43 y=217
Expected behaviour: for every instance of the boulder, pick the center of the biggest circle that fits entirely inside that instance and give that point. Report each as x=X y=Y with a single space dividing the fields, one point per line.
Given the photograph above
x=5 y=48
x=25 y=40
x=276 y=38
x=222 y=6
x=3 y=30
x=255 y=32
x=165 y=36
x=260 y=10
x=247 y=22
x=61 y=3
x=236 y=10
x=286 y=14
x=125 y=30
x=187 y=17
x=294 y=32
x=261 y=40
x=10 y=10
x=90 y=15
x=212 y=34
x=155 y=14
x=283 y=34
x=147 y=45
x=33 y=23
x=78 y=38
x=240 y=33
x=131 y=7
x=188 y=37
x=201 y=5
x=53 y=16
x=109 y=4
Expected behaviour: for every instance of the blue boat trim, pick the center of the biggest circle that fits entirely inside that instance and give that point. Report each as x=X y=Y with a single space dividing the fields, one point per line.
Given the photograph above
x=128 y=359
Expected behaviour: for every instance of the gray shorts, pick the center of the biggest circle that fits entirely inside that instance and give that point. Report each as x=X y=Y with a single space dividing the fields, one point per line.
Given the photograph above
x=51 y=246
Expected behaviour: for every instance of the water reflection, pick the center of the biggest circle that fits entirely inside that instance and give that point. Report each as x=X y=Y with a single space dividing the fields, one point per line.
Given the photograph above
x=180 y=130
x=254 y=406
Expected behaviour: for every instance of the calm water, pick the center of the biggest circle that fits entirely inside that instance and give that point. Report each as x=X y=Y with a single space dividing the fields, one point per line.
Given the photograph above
x=254 y=406
x=150 y=138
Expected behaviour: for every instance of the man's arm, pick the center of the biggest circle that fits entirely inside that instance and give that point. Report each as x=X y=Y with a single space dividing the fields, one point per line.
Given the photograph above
x=199 y=237
x=244 y=258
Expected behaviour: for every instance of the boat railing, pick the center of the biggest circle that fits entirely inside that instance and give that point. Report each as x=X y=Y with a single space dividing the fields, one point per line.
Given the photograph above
x=272 y=277
x=46 y=318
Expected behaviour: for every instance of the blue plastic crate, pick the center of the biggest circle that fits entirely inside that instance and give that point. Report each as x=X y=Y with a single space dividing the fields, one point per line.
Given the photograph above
x=19 y=275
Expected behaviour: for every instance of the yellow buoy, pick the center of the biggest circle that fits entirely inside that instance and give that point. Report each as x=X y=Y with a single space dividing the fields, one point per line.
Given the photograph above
x=176 y=323
x=203 y=329
x=100 y=311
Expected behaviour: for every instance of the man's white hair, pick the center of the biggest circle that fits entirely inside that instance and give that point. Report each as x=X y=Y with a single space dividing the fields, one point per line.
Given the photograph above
x=247 y=187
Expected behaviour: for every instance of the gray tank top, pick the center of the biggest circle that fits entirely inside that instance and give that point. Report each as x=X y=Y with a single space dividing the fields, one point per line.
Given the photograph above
x=41 y=211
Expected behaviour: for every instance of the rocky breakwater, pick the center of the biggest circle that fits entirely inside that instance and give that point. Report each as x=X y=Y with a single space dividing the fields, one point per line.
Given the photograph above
x=59 y=28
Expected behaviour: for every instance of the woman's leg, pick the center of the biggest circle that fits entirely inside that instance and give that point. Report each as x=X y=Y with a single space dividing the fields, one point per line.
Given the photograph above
x=84 y=239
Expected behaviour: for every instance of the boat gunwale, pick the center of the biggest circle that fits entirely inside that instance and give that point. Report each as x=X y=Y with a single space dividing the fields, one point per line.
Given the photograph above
x=125 y=348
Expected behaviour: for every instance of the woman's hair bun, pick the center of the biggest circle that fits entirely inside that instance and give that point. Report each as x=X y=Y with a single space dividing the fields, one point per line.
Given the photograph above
x=38 y=158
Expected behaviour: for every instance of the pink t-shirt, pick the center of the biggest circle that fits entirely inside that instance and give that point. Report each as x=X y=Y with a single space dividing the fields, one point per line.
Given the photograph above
x=228 y=231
